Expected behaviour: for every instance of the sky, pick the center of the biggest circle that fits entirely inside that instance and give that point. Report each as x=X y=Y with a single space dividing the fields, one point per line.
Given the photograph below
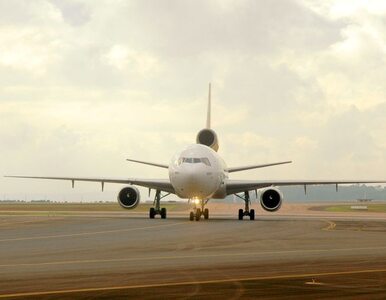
x=86 y=84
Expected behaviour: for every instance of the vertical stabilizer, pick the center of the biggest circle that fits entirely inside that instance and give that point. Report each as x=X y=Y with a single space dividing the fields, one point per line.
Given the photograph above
x=208 y=117
x=207 y=136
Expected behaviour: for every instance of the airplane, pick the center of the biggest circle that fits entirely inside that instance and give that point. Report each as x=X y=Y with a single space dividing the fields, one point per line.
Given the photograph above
x=198 y=173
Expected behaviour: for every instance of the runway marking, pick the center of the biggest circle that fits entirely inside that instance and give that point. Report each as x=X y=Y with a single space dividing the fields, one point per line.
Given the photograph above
x=6 y=223
x=91 y=233
x=197 y=282
x=91 y=261
x=15 y=223
x=313 y=282
x=331 y=225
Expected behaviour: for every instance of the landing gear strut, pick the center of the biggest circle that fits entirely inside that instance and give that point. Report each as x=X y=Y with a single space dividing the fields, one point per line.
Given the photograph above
x=246 y=211
x=157 y=210
x=198 y=212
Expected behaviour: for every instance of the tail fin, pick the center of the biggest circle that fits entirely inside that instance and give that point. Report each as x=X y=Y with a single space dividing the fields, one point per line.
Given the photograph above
x=208 y=117
x=207 y=136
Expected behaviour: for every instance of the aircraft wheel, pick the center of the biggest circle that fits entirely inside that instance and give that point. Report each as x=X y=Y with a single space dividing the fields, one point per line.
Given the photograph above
x=151 y=212
x=252 y=214
x=241 y=214
x=206 y=214
x=198 y=214
x=163 y=213
x=191 y=216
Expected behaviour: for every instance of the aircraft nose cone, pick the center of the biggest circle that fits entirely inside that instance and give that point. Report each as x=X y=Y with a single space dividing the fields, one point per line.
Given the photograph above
x=193 y=178
x=197 y=183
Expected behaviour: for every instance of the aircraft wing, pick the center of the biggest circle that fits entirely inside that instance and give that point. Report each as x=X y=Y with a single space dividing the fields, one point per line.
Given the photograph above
x=237 y=169
x=238 y=186
x=156 y=184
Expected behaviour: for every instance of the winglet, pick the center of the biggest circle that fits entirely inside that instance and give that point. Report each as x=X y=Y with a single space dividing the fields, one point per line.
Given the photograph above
x=208 y=117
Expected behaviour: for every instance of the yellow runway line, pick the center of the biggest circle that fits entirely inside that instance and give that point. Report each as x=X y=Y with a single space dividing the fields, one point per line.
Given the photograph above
x=215 y=281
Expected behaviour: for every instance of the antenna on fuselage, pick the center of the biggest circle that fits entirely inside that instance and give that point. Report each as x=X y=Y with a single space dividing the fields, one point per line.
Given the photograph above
x=208 y=117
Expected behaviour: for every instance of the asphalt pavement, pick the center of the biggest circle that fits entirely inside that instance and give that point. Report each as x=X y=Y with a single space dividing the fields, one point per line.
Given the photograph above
x=130 y=256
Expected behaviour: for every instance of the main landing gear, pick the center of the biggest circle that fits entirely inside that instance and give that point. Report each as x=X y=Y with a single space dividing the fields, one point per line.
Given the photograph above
x=198 y=212
x=246 y=212
x=157 y=210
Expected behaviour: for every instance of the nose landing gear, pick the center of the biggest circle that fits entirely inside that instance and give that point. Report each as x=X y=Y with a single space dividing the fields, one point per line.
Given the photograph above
x=198 y=212
x=206 y=214
x=157 y=210
x=246 y=212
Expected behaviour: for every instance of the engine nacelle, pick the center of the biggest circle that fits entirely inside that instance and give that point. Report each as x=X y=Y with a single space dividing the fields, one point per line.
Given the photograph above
x=129 y=197
x=208 y=138
x=271 y=199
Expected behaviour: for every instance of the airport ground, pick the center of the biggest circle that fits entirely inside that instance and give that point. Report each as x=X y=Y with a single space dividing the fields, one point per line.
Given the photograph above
x=302 y=251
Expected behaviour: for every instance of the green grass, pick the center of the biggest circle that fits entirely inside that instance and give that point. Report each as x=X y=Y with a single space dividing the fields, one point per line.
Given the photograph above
x=347 y=208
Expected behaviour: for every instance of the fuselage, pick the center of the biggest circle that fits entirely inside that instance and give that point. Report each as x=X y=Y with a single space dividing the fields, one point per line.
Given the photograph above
x=198 y=172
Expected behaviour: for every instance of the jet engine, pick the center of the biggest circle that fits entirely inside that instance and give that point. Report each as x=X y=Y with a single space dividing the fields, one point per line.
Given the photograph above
x=208 y=138
x=271 y=199
x=129 y=197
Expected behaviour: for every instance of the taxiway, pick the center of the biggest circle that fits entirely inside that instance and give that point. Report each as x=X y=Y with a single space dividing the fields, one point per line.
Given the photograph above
x=123 y=255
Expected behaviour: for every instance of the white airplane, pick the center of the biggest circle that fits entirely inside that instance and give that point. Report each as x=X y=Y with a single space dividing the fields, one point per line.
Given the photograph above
x=199 y=174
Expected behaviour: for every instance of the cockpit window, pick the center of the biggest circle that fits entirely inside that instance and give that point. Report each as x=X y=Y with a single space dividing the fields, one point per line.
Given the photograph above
x=205 y=161
x=192 y=160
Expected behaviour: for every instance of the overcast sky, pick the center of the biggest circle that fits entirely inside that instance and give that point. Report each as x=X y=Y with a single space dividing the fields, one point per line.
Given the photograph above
x=85 y=84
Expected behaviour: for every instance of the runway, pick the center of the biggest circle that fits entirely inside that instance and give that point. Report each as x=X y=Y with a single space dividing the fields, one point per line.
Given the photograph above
x=129 y=256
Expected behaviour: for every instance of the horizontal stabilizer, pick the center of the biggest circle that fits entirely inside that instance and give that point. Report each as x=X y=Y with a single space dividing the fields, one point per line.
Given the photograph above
x=237 y=169
x=149 y=163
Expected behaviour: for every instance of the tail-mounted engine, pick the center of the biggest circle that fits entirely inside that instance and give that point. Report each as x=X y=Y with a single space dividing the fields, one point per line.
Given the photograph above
x=129 y=197
x=271 y=199
x=208 y=138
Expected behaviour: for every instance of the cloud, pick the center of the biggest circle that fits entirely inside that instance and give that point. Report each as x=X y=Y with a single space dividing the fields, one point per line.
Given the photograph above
x=121 y=57
x=86 y=84
x=27 y=50
x=74 y=12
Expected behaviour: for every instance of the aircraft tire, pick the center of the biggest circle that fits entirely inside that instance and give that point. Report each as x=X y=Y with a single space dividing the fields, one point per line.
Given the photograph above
x=206 y=214
x=163 y=213
x=252 y=214
x=241 y=214
x=191 y=216
x=151 y=213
